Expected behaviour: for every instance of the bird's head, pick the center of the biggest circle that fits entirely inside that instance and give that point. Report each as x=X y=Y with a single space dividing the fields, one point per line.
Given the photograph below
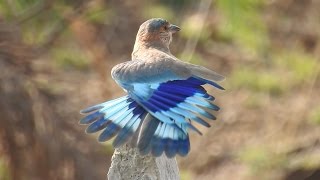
x=156 y=32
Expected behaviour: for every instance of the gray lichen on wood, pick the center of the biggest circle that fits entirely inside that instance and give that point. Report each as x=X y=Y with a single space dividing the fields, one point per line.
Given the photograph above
x=128 y=164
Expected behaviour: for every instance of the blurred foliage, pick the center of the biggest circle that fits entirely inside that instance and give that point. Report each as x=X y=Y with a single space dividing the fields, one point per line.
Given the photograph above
x=108 y=149
x=185 y=175
x=99 y=13
x=308 y=162
x=4 y=171
x=242 y=23
x=257 y=81
x=192 y=29
x=255 y=101
x=158 y=10
x=70 y=57
x=300 y=66
x=262 y=160
x=314 y=116
x=289 y=69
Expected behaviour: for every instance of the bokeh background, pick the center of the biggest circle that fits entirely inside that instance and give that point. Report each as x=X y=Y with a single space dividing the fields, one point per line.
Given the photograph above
x=56 y=57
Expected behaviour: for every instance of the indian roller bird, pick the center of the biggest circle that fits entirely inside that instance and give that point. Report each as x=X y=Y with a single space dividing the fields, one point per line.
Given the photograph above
x=165 y=97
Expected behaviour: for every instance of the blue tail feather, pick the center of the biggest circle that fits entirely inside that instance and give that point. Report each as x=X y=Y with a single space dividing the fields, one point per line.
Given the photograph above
x=157 y=146
x=171 y=148
x=166 y=138
x=147 y=131
x=184 y=145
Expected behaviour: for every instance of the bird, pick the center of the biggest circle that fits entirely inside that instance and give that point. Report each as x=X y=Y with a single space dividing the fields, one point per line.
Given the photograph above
x=165 y=97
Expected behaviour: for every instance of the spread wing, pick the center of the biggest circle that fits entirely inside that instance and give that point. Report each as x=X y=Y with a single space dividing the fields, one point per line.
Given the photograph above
x=171 y=91
x=168 y=90
x=164 y=98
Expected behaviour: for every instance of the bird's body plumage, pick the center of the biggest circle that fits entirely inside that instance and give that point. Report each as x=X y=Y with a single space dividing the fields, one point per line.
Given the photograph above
x=165 y=97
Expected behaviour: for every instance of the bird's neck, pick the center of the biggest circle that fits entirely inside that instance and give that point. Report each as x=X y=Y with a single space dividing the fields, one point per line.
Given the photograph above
x=142 y=48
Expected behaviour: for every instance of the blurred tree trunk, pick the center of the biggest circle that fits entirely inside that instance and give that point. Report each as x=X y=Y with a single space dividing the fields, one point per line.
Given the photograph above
x=36 y=142
x=26 y=153
x=18 y=138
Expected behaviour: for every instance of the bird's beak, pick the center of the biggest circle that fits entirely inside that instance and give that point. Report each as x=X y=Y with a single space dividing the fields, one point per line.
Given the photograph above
x=173 y=28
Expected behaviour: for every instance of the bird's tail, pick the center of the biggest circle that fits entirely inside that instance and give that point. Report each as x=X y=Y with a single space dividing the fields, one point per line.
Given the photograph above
x=128 y=121
x=157 y=137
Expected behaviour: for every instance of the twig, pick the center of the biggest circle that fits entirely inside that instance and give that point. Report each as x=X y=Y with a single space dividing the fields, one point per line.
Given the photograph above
x=192 y=42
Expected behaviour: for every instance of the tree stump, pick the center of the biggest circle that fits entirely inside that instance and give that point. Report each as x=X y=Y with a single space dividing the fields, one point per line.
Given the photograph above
x=128 y=164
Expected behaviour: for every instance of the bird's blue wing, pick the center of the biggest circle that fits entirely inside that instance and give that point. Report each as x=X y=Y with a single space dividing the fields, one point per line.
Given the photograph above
x=163 y=101
x=171 y=105
x=176 y=102
x=119 y=117
x=122 y=117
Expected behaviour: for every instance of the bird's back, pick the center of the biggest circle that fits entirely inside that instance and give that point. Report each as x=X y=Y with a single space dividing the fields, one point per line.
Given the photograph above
x=151 y=54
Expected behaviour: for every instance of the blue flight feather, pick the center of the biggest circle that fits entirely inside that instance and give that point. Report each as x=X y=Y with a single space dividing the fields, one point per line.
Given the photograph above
x=128 y=130
x=109 y=132
x=97 y=125
x=172 y=106
x=92 y=117
x=102 y=105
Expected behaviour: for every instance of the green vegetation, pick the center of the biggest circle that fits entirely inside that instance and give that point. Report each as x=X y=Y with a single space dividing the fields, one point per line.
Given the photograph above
x=70 y=58
x=14 y=8
x=98 y=13
x=300 y=66
x=243 y=23
x=4 y=171
x=254 y=101
x=108 y=149
x=185 y=175
x=158 y=10
x=261 y=159
x=264 y=81
x=287 y=70
x=309 y=162
x=314 y=116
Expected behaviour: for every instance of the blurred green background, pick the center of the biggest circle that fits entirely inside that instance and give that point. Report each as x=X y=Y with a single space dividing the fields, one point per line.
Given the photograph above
x=56 y=57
